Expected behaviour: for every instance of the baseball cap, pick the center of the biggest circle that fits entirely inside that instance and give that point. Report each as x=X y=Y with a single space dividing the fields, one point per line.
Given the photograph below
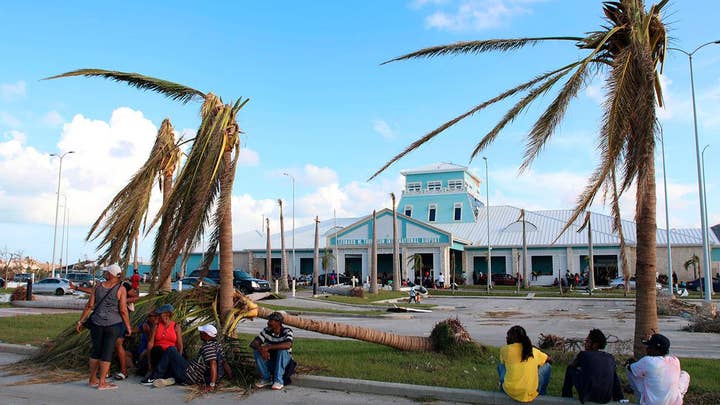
x=659 y=342
x=113 y=269
x=165 y=308
x=208 y=329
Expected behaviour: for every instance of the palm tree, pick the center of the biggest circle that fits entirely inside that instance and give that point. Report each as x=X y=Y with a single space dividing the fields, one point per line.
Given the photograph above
x=284 y=275
x=316 y=257
x=373 y=257
x=694 y=261
x=204 y=183
x=268 y=252
x=628 y=51
x=416 y=261
x=120 y=222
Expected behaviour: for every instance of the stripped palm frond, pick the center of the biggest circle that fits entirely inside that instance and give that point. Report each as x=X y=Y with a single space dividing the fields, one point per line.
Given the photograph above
x=123 y=218
x=475 y=47
x=172 y=90
x=517 y=89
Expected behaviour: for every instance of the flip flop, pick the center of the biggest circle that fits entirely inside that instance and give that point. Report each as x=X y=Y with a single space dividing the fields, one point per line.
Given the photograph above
x=106 y=387
x=95 y=385
x=119 y=376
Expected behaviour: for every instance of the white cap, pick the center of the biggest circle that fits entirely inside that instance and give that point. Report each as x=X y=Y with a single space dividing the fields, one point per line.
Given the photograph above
x=209 y=330
x=113 y=269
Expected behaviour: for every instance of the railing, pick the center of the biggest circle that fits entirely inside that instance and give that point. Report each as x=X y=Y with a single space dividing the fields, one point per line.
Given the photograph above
x=444 y=190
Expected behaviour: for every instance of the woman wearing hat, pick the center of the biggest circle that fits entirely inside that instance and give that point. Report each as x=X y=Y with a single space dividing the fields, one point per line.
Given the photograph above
x=165 y=334
x=106 y=312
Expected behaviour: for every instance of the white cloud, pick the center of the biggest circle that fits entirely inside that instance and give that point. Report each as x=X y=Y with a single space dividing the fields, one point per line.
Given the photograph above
x=105 y=155
x=383 y=128
x=595 y=93
x=310 y=175
x=9 y=120
x=11 y=91
x=474 y=15
x=248 y=157
x=52 y=118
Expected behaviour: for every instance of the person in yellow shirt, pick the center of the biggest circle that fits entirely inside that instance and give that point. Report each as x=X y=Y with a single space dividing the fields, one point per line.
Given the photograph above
x=524 y=370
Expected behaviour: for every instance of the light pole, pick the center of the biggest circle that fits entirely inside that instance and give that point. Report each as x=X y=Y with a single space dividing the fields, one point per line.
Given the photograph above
x=62 y=232
x=707 y=228
x=487 y=206
x=703 y=208
x=667 y=217
x=293 y=221
x=57 y=205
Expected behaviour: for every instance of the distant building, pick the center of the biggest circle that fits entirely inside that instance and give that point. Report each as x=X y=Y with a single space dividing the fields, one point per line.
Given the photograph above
x=442 y=220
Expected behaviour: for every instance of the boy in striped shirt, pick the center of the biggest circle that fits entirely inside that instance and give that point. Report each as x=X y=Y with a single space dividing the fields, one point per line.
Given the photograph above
x=272 y=350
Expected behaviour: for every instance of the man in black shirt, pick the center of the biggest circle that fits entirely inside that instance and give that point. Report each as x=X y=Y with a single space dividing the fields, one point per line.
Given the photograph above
x=592 y=373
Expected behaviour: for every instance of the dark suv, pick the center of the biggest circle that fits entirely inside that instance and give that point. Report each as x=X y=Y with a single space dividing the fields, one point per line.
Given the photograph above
x=81 y=279
x=242 y=281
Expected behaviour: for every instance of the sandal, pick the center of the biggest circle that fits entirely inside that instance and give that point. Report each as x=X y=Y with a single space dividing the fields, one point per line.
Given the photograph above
x=119 y=376
x=108 y=386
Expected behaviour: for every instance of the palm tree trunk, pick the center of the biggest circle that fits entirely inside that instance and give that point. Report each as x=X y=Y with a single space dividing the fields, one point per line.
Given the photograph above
x=646 y=320
x=226 y=254
x=163 y=283
x=135 y=258
x=284 y=275
x=373 y=258
x=268 y=252
x=316 y=258
x=407 y=343
x=396 y=249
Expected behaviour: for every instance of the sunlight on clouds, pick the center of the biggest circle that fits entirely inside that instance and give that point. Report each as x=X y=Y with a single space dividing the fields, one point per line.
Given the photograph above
x=248 y=157
x=9 y=120
x=52 y=118
x=383 y=128
x=474 y=15
x=11 y=91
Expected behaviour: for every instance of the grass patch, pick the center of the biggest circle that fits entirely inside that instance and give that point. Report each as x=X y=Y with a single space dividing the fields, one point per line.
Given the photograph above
x=34 y=329
x=368 y=299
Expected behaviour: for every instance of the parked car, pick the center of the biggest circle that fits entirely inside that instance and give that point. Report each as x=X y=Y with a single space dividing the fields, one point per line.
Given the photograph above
x=498 y=279
x=21 y=278
x=189 y=283
x=619 y=282
x=57 y=286
x=699 y=283
x=242 y=281
x=81 y=279
x=2 y=282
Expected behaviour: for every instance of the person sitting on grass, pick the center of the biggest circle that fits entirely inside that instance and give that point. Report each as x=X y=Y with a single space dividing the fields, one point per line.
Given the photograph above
x=203 y=370
x=164 y=335
x=657 y=377
x=272 y=350
x=592 y=373
x=524 y=370
x=141 y=354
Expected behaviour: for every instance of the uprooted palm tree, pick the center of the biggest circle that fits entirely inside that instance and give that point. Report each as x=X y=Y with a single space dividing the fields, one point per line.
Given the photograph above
x=628 y=51
x=122 y=219
x=202 y=191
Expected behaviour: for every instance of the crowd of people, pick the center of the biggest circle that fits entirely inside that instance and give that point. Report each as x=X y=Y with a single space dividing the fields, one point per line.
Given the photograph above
x=523 y=370
x=656 y=379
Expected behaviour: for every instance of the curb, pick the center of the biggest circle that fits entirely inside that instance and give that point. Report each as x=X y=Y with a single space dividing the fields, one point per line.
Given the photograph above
x=18 y=349
x=419 y=392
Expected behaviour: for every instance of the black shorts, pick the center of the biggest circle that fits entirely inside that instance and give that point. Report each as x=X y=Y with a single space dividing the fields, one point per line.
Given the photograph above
x=103 y=341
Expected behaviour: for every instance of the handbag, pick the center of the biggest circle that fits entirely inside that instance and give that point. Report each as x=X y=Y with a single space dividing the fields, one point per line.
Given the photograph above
x=87 y=324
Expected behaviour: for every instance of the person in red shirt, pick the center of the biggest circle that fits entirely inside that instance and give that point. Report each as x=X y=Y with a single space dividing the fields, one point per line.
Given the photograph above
x=135 y=280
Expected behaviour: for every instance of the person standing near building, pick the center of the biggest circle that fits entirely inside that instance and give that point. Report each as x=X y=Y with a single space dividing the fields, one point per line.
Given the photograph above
x=592 y=373
x=657 y=378
x=135 y=280
x=441 y=280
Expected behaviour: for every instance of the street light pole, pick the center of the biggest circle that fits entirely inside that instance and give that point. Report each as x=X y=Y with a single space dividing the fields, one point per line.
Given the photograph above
x=707 y=228
x=57 y=206
x=487 y=206
x=667 y=218
x=703 y=208
x=62 y=232
x=293 y=221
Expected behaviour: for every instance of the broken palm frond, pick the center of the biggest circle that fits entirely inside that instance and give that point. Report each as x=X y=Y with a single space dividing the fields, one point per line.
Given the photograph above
x=20 y=294
x=450 y=337
x=193 y=308
x=672 y=306
x=563 y=345
x=705 y=326
x=121 y=220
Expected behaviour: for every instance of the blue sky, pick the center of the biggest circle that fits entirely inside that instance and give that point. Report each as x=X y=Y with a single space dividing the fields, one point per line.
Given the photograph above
x=321 y=109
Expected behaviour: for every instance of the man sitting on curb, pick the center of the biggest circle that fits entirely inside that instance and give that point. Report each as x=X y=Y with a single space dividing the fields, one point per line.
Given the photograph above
x=657 y=377
x=592 y=373
x=193 y=372
x=272 y=349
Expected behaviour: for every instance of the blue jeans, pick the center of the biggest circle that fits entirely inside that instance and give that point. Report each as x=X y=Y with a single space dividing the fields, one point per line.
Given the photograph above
x=279 y=359
x=172 y=364
x=543 y=377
